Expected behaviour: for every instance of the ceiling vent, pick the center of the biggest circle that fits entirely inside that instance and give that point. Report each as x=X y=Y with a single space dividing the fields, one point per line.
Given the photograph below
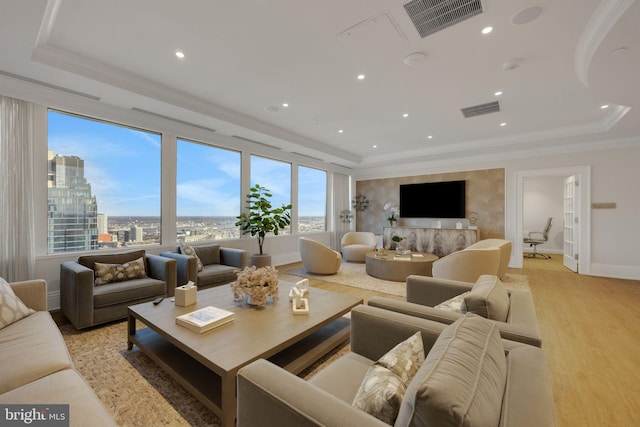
x=482 y=109
x=431 y=16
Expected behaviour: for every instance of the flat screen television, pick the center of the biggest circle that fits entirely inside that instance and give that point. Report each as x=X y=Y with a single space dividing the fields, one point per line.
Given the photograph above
x=433 y=200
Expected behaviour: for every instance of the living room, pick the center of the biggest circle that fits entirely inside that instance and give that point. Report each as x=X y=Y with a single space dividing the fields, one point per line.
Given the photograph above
x=601 y=149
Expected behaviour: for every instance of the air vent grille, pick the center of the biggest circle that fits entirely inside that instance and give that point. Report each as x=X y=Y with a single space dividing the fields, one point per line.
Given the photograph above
x=430 y=16
x=479 y=110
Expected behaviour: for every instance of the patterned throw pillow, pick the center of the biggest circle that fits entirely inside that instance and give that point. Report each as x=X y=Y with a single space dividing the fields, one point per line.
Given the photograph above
x=188 y=250
x=109 y=273
x=382 y=390
x=12 y=308
x=455 y=304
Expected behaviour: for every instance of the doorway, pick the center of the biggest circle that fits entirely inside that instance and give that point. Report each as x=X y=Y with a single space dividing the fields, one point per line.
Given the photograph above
x=580 y=230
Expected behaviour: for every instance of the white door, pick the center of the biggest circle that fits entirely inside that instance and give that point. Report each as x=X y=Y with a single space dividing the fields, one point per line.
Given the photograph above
x=571 y=228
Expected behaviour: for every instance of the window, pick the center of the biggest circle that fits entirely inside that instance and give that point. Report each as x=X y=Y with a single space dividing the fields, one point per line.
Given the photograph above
x=312 y=200
x=208 y=192
x=103 y=185
x=275 y=176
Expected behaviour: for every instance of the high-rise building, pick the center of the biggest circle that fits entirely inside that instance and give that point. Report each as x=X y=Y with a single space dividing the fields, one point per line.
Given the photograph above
x=137 y=234
x=103 y=224
x=72 y=210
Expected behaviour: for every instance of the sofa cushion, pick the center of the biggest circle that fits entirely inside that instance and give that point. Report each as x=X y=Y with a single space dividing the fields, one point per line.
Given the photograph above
x=63 y=387
x=462 y=380
x=488 y=298
x=31 y=348
x=128 y=292
x=188 y=250
x=384 y=384
x=12 y=308
x=110 y=273
x=90 y=260
x=455 y=304
x=208 y=254
x=216 y=274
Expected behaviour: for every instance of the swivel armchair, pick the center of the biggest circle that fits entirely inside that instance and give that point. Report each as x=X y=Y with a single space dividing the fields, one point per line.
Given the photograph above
x=536 y=238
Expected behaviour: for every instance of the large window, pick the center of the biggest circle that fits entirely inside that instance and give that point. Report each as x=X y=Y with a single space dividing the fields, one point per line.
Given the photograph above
x=312 y=199
x=103 y=185
x=208 y=192
x=275 y=176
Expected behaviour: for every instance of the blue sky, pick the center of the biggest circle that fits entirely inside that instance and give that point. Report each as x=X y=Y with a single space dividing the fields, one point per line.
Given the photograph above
x=123 y=167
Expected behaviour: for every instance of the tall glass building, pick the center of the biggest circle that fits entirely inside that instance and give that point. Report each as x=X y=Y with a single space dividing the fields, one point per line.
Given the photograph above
x=72 y=210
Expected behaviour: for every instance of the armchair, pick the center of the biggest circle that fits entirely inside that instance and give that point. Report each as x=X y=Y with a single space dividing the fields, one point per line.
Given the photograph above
x=468 y=264
x=355 y=244
x=86 y=303
x=425 y=293
x=318 y=258
x=270 y=396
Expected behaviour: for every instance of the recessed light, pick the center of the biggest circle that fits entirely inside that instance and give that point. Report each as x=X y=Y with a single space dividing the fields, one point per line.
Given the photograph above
x=374 y=146
x=487 y=30
x=498 y=93
x=361 y=76
x=503 y=124
x=405 y=115
x=179 y=54
x=430 y=137
x=340 y=131
x=285 y=105
x=603 y=107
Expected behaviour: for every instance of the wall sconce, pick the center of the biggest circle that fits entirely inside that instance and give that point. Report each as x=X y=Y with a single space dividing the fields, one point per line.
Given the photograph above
x=346 y=216
x=360 y=203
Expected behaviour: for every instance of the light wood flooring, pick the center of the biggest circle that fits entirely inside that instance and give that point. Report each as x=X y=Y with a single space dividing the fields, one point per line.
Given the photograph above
x=590 y=330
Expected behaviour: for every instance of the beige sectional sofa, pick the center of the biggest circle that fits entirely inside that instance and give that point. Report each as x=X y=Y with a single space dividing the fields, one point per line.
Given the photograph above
x=469 y=377
x=35 y=366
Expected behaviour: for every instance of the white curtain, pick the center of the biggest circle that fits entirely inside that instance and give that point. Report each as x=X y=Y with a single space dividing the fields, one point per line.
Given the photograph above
x=341 y=204
x=17 y=260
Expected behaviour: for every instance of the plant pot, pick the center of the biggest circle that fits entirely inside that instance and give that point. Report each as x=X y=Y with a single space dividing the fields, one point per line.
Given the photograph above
x=263 y=260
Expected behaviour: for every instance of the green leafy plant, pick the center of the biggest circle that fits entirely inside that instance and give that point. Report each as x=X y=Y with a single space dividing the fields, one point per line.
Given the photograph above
x=262 y=217
x=397 y=239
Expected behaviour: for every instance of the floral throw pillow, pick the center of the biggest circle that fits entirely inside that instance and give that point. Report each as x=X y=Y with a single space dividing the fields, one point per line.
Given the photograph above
x=110 y=273
x=12 y=308
x=382 y=390
x=455 y=304
x=188 y=250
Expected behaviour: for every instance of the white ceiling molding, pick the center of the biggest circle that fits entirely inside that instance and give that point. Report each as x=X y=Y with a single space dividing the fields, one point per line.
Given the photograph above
x=600 y=23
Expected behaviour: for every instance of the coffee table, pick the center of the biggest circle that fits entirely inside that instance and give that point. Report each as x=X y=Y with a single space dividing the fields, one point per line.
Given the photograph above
x=389 y=266
x=206 y=364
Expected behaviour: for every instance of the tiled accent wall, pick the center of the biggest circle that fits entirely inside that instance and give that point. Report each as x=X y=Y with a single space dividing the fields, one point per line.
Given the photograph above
x=485 y=197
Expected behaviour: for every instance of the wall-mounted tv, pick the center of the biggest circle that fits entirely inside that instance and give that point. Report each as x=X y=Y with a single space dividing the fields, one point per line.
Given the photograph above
x=433 y=200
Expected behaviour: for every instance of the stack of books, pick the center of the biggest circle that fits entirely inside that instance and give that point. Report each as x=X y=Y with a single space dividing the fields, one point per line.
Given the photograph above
x=205 y=319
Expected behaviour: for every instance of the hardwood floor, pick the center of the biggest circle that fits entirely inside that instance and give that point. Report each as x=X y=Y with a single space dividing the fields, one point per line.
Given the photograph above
x=590 y=330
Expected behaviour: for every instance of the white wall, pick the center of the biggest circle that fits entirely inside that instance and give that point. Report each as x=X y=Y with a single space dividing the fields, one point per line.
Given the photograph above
x=543 y=198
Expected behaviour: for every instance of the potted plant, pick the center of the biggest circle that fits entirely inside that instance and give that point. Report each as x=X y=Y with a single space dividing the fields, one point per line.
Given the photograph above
x=262 y=219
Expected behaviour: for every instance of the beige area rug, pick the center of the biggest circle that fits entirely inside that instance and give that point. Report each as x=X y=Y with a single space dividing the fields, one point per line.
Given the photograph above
x=133 y=388
x=354 y=274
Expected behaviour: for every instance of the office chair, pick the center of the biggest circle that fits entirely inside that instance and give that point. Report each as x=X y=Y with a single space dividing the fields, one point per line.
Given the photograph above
x=536 y=238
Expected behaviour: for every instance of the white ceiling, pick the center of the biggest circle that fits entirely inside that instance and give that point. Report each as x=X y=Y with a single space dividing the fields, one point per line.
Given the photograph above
x=245 y=56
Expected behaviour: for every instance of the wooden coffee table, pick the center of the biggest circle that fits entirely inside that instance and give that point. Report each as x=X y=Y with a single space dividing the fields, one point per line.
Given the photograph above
x=389 y=266
x=206 y=364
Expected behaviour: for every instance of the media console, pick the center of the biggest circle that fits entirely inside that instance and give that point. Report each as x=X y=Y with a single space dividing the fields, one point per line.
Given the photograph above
x=437 y=241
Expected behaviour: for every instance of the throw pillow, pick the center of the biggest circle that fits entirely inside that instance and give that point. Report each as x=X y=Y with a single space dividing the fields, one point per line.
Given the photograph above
x=188 y=250
x=110 y=273
x=383 y=387
x=12 y=308
x=208 y=254
x=455 y=304
x=462 y=380
x=488 y=298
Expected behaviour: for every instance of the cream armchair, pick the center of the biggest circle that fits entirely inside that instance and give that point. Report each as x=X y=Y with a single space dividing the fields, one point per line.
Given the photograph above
x=355 y=244
x=318 y=258
x=468 y=264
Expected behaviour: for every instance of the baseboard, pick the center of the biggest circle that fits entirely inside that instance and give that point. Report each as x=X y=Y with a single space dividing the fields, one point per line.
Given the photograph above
x=542 y=251
x=53 y=300
x=615 y=271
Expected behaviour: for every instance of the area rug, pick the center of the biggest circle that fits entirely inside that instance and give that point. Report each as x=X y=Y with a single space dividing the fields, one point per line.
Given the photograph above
x=135 y=391
x=354 y=274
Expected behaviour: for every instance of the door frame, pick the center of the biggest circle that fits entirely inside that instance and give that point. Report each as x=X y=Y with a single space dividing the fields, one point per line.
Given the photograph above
x=584 y=212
